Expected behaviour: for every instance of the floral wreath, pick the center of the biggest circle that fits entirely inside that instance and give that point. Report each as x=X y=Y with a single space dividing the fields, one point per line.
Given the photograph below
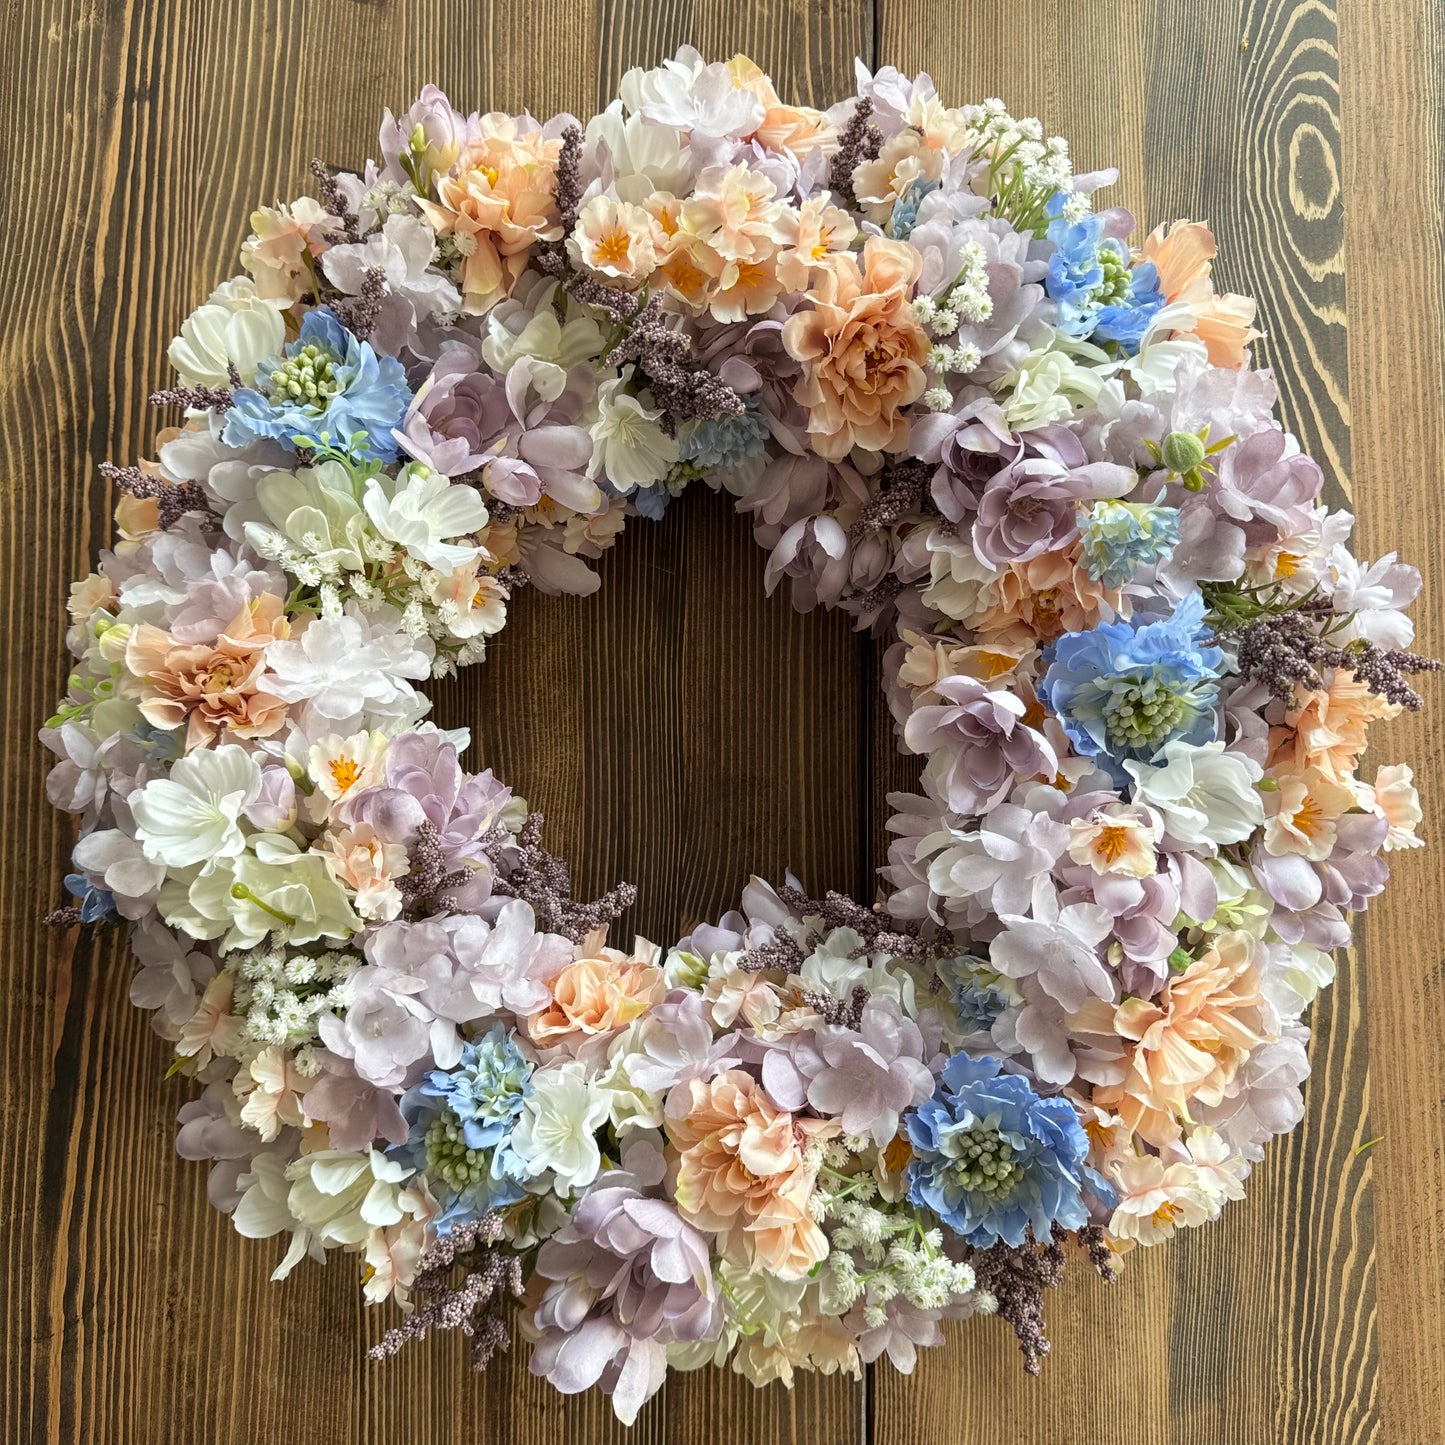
x=1124 y=631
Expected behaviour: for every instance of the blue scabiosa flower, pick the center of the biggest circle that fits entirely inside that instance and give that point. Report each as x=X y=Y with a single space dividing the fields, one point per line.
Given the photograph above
x=1118 y=538
x=992 y=1159
x=725 y=440
x=326 y=382
x=1099 y=293
x=1125 y=689
x=461 y=1128
x=980 y=995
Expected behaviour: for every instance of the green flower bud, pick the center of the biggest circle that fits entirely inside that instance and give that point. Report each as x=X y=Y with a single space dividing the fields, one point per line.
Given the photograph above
x=1182 y=452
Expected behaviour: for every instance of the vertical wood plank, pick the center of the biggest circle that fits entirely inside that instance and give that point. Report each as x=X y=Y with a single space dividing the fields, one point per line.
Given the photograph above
x=1392 y=58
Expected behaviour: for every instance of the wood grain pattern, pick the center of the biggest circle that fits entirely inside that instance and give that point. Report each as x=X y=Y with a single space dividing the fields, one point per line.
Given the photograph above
x=703 y=732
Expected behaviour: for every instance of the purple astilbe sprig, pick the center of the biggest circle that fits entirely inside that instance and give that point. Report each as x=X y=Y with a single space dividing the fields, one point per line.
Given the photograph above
x=1286 y=650
x=781 y=954
x=426 y=884
x=529 y=872
x=684 y=390
x=334 y=200
x=881 y=933
x=358 y=313
x=199 y=398
x=859 y=141
x=906 y=493
x=475 y=1305
x=1017 y=1276
x=175 y=498
x=847 y=1014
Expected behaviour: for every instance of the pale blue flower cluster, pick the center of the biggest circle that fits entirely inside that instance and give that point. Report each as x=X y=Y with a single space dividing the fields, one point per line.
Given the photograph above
x=461 y=1128
x=994 y=1160
x=1101 y=296
x=326 y=384
x=725 y=440
x=1124 y=689
x=1119 y=537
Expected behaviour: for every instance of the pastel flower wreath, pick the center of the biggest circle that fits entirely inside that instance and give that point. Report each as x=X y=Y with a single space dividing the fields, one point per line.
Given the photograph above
x=1125 y=632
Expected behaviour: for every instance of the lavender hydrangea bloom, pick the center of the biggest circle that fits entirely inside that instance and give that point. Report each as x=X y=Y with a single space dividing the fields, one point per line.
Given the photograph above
x=629 y=1278
x=1125 y=689
x=994 y=1160
x=981 y=743
x=864 y=1077
x=326 y=383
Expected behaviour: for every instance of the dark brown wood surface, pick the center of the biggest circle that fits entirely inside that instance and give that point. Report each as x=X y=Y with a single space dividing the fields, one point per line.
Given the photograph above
x=681 y=731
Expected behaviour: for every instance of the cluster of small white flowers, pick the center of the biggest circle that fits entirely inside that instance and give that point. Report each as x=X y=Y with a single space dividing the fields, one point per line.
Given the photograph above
x=904 y=1258
x=281 y=994
x=1020 y=157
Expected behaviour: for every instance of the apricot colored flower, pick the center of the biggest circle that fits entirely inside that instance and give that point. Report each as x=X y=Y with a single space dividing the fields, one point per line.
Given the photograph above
x=283 y=243
x=795 y=128
x=746 y=1171
x=366 y=864
x=615 y=240
x=598 y=995
x=1184 y=255
x=1050 y=595
x=1327 y=730
x=811 y=235
x=1301 y=812
x=862 y=350
x=212 y=689
x=1186 y=1044
x=496 y=206
x=1117 y=839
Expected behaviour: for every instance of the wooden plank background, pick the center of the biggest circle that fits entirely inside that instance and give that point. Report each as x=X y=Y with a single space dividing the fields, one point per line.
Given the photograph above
x=688 y=731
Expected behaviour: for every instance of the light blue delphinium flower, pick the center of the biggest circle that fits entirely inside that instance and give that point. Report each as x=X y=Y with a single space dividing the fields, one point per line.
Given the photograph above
x=726 y=440
x=1125 y=689
x=1100 y=295
x=904 y=217
x=325 y=383
x=1120 y=537
x=461 y=1128
x=980 y=995
x=95 y=904
x=992 y=1159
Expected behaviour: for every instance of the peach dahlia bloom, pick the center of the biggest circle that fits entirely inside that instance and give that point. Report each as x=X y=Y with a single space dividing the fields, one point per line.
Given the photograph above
x=1187 y=1043
x=213 y=689
x=1049 y=595
x=862 y=350
x=496 y=206
x=746 y=1172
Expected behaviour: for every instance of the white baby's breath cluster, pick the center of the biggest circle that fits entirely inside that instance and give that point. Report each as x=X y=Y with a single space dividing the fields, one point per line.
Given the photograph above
x=281 y=993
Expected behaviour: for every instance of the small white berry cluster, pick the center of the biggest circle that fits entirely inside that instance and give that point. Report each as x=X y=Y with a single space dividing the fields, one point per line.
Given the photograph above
x=280 y=995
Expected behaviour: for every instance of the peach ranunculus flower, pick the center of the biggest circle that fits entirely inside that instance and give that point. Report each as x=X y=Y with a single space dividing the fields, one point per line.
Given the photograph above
x=282 y=245
x=1184 y=254
x=214 y=689
x=746 y=1170
x=495 y=206
x=1327 y=729
x=862 y=349
x=598 y=994
x=617 y=241
x=1050 y=595
x=1187 y=1043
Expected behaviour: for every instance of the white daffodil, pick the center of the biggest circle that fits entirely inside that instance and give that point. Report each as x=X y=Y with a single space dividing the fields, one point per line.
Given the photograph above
x=629 y=446
x=193 y=816
x=420 y=509
x=557 y=1127
x=233 y=328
